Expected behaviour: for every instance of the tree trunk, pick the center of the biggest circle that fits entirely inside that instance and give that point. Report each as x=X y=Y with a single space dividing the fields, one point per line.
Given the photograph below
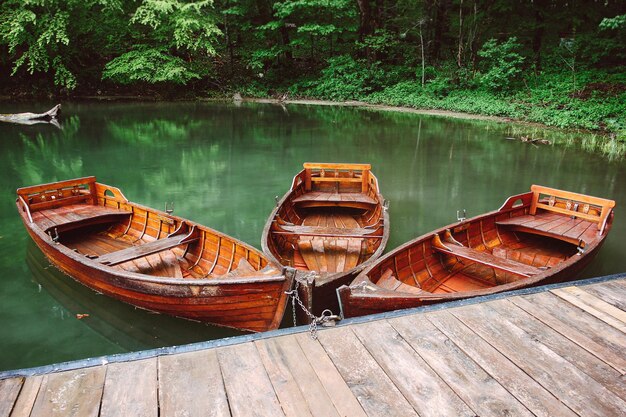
x=538 y=33
x=459 y=54
x=32 y=118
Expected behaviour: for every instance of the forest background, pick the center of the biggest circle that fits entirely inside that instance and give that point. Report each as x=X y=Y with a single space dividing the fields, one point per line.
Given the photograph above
x=560 y=63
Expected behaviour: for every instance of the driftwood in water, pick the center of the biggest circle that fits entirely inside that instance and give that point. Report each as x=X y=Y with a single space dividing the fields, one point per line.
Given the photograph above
x=31 y=118
x=532 y=141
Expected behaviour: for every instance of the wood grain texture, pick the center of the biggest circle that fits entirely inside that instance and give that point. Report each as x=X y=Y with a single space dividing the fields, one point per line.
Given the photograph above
x=556 y=374
x=587 y=362
x=610 y=292
x=28 y=394
x=9 y=390
x=479 y=390
x=249 y=389
x=423 y=388
x=530 y=393
x=299 y=390
x=191 y=384
x=609 y=314
x=370 y=384
x=336 y=387
x=130 y=389
x=71 y=393
x=588 y=332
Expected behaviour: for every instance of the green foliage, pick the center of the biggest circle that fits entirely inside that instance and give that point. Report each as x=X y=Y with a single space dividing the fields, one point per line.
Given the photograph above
x=614 y=23
x=344 y=78
x=501 y=64
x=150 y=65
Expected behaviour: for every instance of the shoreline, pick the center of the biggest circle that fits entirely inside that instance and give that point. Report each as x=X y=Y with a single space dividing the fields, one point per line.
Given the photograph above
x=348 y=103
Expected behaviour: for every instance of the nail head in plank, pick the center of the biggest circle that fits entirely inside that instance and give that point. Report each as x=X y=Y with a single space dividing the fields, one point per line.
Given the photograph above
x=249 y=390
x=70 y=393
x=535 y=397
x=191 y=384
x=372 y=387
x=130 y=389
x=340 y=394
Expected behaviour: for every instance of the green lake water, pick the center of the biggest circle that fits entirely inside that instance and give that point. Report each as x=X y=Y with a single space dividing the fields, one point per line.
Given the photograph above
x=222 y=165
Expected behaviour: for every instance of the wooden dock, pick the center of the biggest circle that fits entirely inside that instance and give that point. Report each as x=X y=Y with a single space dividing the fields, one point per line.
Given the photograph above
x=552 y=351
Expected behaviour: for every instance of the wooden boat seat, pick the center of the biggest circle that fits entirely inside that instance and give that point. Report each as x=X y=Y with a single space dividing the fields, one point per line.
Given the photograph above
x=75 y=216
x=484 y=258
x=320 y=199
x=571 y=217
x=389 y=282
x=326 y=231
x=139 y=251
x=573 y=230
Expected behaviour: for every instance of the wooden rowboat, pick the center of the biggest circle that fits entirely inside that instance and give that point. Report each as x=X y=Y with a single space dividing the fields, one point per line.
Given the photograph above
x=537 y=238
x=331 y=224
x=152 y=259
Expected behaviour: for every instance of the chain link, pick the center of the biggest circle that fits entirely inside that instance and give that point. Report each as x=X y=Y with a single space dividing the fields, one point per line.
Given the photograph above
x=326 y=317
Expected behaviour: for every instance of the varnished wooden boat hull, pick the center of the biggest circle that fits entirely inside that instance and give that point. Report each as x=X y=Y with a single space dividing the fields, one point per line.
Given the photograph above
x=418 y=261
x=317 y=288
x=254 y=303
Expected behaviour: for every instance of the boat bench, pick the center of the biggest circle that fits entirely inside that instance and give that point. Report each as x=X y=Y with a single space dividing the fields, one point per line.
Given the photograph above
x=484 y=258
x=321 y=198
x=567 y=216
x=75 y=216
x=139 y=251
x=66 y=205
x=318 y=231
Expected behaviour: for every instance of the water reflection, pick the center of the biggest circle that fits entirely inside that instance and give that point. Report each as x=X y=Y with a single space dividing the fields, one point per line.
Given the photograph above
x=222 y=165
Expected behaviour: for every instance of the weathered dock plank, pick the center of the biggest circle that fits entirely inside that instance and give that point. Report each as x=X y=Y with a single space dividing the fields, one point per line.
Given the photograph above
x=427 y=393
x=589 y=363
x=71 y=393
x=557 y=351
x=593 y=335
x=479 y=390
x=26 y=400
x=192 y=382
x=528 y=391
x=249 y=389
x=9 y=390
x=376 y=392
x=336 y=387
x=609 y=292
x=573 y=387
x=130 y=389
x=594 y=306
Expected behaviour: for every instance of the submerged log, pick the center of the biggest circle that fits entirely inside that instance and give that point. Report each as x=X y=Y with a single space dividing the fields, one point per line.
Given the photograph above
x=31 y=118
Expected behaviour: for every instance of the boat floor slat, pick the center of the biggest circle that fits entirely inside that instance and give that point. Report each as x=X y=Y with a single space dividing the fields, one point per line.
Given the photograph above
x=75 y=213
x=321 y=196
x=556 y=225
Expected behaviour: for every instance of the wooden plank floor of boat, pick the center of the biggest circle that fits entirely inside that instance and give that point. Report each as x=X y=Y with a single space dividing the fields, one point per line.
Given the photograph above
x=162 y=264
x=558 y=351
x=330 y=254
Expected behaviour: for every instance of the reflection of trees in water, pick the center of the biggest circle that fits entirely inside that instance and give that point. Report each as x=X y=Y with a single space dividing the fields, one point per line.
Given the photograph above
x=44 y=157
